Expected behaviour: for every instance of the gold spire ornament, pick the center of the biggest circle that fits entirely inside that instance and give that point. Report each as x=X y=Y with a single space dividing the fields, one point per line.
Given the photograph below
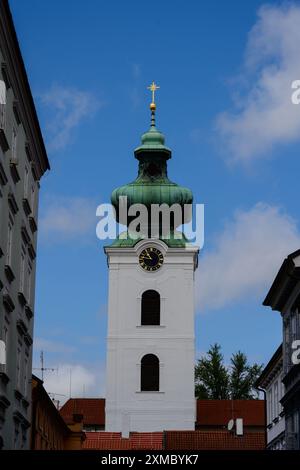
x=153 y=87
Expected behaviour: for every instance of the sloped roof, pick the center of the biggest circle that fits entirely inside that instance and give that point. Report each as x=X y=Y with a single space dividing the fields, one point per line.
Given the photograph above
x=174 y=440
x=209 y=412
x=219 y=412
x=114 y=441
x=92 y=409
x=284 y=283
x=274 y=364
x=213 y=440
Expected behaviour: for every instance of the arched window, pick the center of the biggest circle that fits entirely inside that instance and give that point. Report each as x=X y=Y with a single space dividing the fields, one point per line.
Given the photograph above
x=150 y=373
x=150 y=308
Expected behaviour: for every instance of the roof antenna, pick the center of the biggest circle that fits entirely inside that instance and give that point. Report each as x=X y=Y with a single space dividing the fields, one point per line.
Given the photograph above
x=42 y=368
x=70 y=384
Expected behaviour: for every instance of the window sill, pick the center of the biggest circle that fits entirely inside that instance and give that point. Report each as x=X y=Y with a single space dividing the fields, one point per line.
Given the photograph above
x=151 y=326
x=153 y=392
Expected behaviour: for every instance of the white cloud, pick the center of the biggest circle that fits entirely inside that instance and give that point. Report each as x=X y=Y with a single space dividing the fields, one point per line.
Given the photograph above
x=246 y=257
x=81 y=380
x=264 y=115
x=65 y=218
x=68 y=108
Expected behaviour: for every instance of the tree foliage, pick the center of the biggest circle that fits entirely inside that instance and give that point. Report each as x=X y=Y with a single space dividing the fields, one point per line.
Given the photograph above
x=215 y=381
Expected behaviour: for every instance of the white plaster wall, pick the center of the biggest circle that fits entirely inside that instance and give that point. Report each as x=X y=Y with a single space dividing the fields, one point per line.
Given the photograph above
x=173 y=407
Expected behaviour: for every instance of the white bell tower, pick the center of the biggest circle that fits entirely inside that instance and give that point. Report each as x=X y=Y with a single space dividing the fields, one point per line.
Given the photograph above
x=150 y=341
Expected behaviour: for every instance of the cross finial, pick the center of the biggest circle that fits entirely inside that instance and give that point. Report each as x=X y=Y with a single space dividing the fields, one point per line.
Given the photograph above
x=153 y=87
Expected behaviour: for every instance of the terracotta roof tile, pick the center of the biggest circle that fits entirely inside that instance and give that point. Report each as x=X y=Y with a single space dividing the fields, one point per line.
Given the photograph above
x=216 y=440
x=92 y=409
x=219 y=412
x=114 y=441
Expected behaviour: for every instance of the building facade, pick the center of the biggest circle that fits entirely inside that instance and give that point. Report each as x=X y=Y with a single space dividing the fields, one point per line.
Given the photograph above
x=23 y=161
x=150 y=342
x=284 y=297
x=271 y=382
x=49 y=431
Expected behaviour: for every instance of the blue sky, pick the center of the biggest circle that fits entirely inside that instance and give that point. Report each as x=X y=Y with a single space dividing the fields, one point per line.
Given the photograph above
x=225 y=70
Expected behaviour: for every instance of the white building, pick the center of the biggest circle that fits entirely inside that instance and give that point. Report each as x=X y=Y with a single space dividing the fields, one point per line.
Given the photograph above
x=150 y=344
x=271 y=382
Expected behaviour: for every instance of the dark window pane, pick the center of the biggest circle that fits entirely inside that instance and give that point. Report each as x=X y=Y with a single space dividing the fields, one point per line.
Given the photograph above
x=149 y=373
x=150 y=308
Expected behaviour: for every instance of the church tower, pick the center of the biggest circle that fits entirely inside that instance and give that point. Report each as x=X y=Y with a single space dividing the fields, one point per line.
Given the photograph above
x=150 y=342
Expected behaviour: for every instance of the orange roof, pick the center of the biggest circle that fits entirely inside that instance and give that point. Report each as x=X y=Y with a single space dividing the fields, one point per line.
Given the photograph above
x=216 y=440
x=113 y=441
x=92 y=409
x=219 y=412
x=209 y=412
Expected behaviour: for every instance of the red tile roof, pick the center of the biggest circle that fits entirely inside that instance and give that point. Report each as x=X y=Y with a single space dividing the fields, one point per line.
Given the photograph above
x=219 y=412
x=92 y=409
x=175 y=440
x=113 y=441
x=216 y=440
x=209 y=412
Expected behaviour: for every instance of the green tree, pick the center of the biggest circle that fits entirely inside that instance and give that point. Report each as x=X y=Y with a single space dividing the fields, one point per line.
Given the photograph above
x=213 y=380
x=243 y=377
x=211 y=375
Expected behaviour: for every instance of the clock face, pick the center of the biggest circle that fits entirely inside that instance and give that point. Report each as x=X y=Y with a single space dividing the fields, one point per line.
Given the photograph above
x=151 y=259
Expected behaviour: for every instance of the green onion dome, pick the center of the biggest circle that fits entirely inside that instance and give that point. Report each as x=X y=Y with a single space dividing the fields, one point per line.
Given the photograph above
x=152 y=185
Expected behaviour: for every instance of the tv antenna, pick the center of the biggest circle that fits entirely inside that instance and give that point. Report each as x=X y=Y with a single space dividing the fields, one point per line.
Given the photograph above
x=42 y=368
x=56 y=401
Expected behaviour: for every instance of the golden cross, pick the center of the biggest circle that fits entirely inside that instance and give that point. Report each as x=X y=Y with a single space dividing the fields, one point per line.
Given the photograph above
x=153 y=87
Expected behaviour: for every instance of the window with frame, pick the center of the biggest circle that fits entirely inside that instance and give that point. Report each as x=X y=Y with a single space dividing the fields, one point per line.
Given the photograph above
x=16 y=436
x=287 y=344
x=14 y=140
x=32 y=199
x=276 y=399
x=22 y=270
x=26 y=375
x=150 y=373
x=2 y=105
x=294 y=326
x=26 y=182
x=150 y=308
x=29 y=282
x=18 y=367
x=9 y=242
x=270 y=406
x=5 y=341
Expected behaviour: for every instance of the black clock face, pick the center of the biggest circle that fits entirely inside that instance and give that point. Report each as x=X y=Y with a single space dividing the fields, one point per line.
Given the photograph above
x=151 y=259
